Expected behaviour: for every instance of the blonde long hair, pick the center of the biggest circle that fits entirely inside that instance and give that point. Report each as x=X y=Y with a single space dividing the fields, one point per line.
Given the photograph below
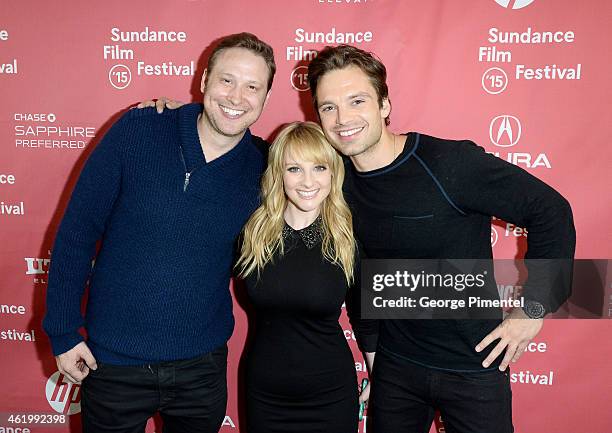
x=262 y=234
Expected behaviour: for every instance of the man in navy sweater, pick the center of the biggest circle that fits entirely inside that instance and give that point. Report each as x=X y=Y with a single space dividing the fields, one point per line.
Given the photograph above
x=167 y=196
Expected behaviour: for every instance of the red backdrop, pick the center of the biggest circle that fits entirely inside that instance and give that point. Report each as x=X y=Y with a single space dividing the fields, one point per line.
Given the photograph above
x=528 y=80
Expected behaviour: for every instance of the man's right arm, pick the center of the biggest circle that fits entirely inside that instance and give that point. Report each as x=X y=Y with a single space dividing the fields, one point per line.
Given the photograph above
x=82 y=226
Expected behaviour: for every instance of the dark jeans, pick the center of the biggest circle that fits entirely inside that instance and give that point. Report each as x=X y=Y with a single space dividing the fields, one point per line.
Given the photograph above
x=405 y=396
x=190 y=396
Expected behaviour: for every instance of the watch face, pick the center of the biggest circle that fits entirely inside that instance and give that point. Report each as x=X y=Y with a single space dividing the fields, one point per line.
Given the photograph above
x=534 y=309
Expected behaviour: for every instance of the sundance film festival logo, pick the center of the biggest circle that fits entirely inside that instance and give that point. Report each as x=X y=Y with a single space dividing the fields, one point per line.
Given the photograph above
x=121 y=51
x=299 y=53
x=514 y=4
x=500 y=43
x=63 y=396
x=505 y=130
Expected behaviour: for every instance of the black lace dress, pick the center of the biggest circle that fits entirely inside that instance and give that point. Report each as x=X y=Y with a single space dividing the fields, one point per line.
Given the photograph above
x=300 y=370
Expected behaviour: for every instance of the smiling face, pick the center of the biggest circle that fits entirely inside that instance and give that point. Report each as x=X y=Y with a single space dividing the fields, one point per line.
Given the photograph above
x=351 y=117
x=306 y=183
x=235 y=91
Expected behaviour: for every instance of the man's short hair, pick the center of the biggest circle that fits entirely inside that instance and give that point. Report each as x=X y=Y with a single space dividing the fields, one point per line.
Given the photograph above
x=343 y=56
x=250 y=42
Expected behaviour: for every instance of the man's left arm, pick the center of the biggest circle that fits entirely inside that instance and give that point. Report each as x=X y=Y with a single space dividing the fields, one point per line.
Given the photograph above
x=491 y=186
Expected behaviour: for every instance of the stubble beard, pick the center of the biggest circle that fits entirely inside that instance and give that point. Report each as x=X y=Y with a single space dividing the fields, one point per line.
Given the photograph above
x=362 y=150
x=216 y=125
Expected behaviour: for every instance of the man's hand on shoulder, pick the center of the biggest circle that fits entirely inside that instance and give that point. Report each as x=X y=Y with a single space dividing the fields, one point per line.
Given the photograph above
x=76 y=363
x=514 y=334
x=161 y=103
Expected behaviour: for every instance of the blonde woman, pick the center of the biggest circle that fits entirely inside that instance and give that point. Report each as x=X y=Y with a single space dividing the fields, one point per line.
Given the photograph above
x=298 y=261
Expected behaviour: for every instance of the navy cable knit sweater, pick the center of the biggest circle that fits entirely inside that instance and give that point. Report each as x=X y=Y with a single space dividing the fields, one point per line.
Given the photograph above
x=159 y=287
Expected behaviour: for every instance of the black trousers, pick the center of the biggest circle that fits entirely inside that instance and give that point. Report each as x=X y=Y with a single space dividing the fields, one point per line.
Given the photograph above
x=190 y=396
x=405 y=396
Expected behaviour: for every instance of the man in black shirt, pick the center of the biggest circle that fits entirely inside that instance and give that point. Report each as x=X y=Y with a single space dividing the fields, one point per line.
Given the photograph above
x=416 y=196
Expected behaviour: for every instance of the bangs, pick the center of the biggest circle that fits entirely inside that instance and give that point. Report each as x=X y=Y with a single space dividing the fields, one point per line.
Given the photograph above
x=310 y=145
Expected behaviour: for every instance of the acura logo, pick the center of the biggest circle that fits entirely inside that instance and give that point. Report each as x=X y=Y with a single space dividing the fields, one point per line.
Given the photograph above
x=505 y=130
x=514 y=4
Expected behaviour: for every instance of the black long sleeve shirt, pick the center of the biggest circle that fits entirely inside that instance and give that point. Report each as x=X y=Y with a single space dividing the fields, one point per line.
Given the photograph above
x=435 y=201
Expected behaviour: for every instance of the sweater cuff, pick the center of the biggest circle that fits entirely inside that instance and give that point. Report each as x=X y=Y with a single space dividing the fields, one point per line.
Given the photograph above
x=63 y=343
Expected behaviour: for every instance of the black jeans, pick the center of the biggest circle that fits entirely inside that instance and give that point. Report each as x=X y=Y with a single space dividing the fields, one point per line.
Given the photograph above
x=190 y=396
x=405 y=396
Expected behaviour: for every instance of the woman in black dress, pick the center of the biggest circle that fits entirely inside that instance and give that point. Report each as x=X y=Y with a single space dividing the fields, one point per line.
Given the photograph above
x=298 y=261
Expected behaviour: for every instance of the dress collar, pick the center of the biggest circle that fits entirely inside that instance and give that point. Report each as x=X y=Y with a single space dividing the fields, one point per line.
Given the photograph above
x=310 y=236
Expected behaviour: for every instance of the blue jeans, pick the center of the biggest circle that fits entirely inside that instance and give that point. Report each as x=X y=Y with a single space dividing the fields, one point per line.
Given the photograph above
x=405 y=396
x=190 y=395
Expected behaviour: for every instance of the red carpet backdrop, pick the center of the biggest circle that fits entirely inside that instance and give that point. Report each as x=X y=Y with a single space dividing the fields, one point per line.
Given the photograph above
x=527 y=79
